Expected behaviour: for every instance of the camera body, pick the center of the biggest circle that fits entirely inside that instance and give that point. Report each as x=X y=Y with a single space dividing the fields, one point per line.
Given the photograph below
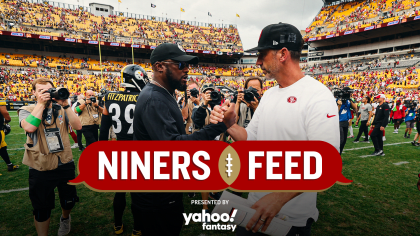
x=343 y=94
x=216 y=98
x=250 y=94
x=92 y=99
x=74 y=99
x=410 y=104
x=194 y=92
x=58 y=94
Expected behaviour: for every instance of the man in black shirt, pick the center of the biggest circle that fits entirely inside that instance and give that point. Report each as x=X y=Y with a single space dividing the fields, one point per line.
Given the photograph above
x=380 y=122
x=157 y=117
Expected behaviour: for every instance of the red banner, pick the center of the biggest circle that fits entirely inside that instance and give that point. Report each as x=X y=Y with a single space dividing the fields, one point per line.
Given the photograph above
x=159 y=166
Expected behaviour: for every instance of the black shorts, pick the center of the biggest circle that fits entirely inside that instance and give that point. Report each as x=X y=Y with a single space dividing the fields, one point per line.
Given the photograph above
x=397 y=121
x=43 y=183
x=418 y=126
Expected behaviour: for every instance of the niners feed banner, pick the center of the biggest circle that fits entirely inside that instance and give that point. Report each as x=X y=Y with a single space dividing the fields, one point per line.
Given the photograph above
x=182 y=166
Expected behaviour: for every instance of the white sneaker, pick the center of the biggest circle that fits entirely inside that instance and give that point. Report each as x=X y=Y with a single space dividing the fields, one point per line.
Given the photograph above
x=64 y=226
x=75 y=145
x=383 y=138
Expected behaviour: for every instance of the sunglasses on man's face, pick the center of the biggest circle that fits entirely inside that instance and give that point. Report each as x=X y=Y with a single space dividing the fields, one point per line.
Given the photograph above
x=181 y=64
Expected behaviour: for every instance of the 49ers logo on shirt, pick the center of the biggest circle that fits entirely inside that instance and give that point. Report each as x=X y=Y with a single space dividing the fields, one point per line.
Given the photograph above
x=291 y=99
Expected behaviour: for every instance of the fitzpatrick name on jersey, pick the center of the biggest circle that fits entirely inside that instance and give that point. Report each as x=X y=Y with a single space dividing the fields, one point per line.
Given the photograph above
x=122 y=97
x=120 y=106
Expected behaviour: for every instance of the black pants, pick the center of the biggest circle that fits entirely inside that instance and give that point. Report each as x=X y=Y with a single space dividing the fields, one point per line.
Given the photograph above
x=91 y=133
x=376 y=137
x=343 y=137
x=167 y=221
x=363 y=129
x=119 y=207
x=5 y=155
x=301 y=231
x=79 y=138
x=43 y=183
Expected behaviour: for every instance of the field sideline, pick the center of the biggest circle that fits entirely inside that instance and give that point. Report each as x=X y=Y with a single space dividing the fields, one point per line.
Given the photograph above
x=382 y=200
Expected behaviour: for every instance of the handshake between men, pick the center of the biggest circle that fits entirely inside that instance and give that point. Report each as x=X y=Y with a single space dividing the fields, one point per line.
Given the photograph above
x=225 y=113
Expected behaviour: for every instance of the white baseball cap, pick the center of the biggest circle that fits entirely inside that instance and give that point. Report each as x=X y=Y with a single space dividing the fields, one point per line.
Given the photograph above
x=380 y=96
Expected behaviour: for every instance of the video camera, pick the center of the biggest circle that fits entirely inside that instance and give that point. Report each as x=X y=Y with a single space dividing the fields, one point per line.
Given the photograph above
x=343 y=94
x=58 y=94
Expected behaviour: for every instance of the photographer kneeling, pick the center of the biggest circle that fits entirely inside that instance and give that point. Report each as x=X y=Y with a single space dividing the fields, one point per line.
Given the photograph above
x=90 y=115
x=344 y=103
x=48 y=153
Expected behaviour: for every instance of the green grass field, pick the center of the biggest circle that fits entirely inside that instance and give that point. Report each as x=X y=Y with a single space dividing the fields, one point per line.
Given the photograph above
x=382 y=200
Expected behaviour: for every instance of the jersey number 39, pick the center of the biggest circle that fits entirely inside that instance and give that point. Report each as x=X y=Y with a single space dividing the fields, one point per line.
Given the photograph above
x=127 y=117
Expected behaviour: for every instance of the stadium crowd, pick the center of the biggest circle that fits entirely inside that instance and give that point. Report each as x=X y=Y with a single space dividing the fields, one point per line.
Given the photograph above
x=354 y=15
x=77 y=23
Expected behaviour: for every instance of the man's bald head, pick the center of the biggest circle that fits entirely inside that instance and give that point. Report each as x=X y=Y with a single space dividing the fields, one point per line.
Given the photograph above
x=89 y=93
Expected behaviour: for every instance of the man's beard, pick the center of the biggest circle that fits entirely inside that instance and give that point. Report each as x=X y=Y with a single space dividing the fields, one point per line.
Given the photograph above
x=173 y=83
x=270 y=72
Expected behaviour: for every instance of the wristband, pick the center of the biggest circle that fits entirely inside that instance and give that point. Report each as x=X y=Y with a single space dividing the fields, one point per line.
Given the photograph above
x=33 y=120
x=78 y=109
x=66 y=107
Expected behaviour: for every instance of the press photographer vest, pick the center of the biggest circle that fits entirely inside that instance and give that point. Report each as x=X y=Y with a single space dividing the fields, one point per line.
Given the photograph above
x=87 y=115
x=39 y=156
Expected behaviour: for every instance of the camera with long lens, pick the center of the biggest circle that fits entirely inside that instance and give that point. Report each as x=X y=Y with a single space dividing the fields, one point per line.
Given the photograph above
x=216 y=98
x=343 y=94
x=194 y=92
x=58 y=94
x=250 y=94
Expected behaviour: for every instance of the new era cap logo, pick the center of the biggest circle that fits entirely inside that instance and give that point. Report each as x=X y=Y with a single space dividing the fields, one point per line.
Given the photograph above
x=275 y=42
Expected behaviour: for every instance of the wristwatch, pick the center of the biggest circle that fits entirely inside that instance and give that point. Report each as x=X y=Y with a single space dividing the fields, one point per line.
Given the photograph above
x=65 y=107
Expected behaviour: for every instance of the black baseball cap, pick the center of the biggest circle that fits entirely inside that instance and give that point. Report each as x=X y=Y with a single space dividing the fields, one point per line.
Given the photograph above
x=171 y=51
x=278 y=36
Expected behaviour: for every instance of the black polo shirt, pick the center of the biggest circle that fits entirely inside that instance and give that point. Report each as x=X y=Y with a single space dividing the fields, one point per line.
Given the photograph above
x=158 y=117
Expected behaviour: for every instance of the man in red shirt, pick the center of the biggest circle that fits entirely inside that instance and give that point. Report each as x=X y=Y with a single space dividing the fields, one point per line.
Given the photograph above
x=397 y=113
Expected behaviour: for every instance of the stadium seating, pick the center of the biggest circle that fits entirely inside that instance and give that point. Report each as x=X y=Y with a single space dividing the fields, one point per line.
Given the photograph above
x=359 y=14
x=55 y=21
